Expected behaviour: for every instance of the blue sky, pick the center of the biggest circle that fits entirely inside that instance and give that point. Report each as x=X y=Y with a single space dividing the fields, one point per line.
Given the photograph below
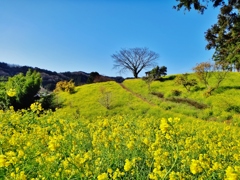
x=81 y=35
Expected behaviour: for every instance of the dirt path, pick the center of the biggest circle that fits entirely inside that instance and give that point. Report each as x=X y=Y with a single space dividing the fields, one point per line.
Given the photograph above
x=136 y=95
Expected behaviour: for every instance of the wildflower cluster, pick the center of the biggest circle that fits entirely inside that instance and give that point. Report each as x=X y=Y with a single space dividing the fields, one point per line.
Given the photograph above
x=66 y=86
x=11 y=92
x=36 y=107
x=53 y=145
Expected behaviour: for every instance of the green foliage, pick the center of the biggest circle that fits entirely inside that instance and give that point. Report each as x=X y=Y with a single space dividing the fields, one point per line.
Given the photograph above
x=176 y=92
x=187 y=83
x=92 y=76
x=22 y=89
x=149 y=79
x=223 y=36
x=206 y=71
x=201 y=5
x=154 y=74
x=158 y=72
x=4 y=101
x=49 y=101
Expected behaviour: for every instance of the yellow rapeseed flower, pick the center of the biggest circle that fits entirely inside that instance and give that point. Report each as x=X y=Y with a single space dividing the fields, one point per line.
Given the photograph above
x=128 y=165
x=11 y=92
x=153 y=176
x=36 y=107
x=130 y=145
x=195 y=167
x=20 y=153
x=103 y=176
x=2 y=160
x=230 y=174
x=164 y=126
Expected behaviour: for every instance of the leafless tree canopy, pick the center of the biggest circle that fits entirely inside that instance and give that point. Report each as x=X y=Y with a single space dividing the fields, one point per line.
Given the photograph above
x=134 y=60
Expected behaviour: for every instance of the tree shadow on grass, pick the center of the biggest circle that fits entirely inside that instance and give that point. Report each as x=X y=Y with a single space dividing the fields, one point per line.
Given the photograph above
x=168 y=78
x=222 y=89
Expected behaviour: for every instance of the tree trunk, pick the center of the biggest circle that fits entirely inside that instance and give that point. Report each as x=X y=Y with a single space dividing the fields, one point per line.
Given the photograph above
x=135 y=74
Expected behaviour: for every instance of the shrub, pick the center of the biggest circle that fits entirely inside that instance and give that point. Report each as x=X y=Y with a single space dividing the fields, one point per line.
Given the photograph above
x=22 y=89
x=149 y=79
x=66 y=86
x=92 y=77
x=205 y=70
x=233 y=108
x=49 y=101
x=208 y=92
x=3 y=97
x=106 y=97
x=176 y=92
x=158 y=72
x=206 y=114
x=187 y=83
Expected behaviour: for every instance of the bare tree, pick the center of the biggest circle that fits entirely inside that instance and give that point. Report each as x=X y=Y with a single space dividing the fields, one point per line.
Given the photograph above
x=205 y=70
x=134 y=60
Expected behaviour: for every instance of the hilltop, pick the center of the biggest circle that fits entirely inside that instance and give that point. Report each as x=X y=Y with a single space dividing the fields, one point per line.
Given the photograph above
x=50 y=78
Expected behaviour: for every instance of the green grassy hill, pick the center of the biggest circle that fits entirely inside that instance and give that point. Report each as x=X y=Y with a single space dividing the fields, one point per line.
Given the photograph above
x=133 y=97
x=124 y=131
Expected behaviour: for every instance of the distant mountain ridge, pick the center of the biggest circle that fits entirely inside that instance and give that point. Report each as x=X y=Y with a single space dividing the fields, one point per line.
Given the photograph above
x=50 y=78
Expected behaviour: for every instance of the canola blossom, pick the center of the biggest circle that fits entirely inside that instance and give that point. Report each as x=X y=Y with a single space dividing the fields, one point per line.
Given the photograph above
x=55 y=145
x=11 y=92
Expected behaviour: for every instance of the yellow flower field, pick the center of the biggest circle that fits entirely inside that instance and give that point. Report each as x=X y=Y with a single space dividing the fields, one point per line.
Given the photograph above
x=55 y=145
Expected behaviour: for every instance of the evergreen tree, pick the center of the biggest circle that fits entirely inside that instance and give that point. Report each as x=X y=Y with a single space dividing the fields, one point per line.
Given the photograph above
x=224 y=35
x=22 y=89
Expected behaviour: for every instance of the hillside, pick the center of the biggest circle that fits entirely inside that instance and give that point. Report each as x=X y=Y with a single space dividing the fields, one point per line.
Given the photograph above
x=50 y=78
x=133 y=97
x=111 y=130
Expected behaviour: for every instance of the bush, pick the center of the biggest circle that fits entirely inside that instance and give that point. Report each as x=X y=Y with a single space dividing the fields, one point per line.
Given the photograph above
x=176 y=92
x=22 y=89
x=49 y=101
x=3 y=97
x=206 y=114
x=233 y=108
x=187 y=83
x=66 y=86
x=106 y=98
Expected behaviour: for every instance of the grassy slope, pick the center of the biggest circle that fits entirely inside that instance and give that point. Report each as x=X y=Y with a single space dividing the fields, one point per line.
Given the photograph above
x=74 y=143
x=136 y=100
x=218 y=104
x=87 y=97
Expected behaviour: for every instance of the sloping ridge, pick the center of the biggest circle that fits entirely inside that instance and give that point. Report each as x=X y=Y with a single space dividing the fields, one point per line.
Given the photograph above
x=137 y=95
x=170 y=113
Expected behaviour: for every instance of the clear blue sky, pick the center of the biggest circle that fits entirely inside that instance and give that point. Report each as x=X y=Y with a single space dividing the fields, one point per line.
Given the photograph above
x=81 y=35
